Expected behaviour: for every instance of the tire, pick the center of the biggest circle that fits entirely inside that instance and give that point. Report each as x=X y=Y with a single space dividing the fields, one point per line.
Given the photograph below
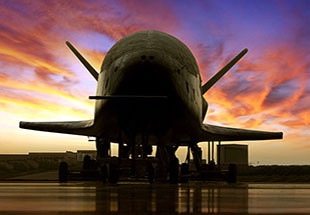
x=86 y=162
x=232 y=173
x=63 y=172
x=150 y=173
x=184 y=172
x=174 y=171
x=104 y=173
x=113 y=173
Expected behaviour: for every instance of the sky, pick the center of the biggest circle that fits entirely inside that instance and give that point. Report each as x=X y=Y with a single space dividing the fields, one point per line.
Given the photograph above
x=269 y=89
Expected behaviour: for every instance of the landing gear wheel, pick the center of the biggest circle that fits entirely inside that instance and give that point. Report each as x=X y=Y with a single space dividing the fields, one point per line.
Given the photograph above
x=150 y=173
x=104 y=173
x=184 y=172
x=87 y=162
x=232 y=173
x=113 y=173
x=63 y=172
x=174 y=171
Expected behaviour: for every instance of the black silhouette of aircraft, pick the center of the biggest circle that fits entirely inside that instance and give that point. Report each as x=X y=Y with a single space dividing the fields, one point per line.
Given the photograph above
x=149 y=92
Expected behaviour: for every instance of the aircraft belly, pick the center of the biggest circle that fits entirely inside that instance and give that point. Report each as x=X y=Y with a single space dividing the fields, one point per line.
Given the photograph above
x=120 y=119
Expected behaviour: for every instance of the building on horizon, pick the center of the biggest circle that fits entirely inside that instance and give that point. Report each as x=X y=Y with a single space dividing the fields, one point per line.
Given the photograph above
x=232 y=153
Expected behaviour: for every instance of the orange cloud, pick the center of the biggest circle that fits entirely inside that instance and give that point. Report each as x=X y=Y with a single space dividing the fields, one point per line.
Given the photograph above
x=38 y=87
x=38 y=109
x=301 y=120
x=27 y=59
x=274 y=84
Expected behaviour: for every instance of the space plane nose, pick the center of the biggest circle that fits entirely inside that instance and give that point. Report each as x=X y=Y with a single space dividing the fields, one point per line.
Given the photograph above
x=145 y=73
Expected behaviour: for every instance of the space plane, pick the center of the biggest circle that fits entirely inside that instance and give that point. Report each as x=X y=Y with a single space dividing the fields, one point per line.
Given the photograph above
x=150 y=92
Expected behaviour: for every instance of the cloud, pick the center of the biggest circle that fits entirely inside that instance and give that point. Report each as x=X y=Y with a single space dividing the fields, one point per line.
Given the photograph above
x=277 y=86
x=157 y=15
x=300 y=120
x=39 y=87
x=274 y=81
x=208 y=56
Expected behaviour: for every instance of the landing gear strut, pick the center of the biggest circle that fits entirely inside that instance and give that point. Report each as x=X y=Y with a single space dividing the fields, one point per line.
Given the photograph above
x=174 y=165
x=103 y=148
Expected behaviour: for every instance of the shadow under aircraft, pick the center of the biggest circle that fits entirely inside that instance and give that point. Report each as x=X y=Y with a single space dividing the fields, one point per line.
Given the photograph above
x=149 y=92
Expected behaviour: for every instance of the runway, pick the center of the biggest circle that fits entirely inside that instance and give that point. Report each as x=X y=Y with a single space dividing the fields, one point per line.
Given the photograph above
x=140 y=198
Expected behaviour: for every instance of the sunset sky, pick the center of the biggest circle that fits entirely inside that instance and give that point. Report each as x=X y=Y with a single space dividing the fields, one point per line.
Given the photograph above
x=269 y=89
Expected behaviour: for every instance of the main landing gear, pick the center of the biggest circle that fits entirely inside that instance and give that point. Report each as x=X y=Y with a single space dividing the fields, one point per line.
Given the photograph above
x=134 y=163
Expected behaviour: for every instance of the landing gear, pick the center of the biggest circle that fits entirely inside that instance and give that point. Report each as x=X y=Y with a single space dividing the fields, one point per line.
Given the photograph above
x=87 y=162
x=113 y=173
x=150 y=173
x=103 y=148
x=174 y=171
x=104 y=173
x=197 y=154
x=63 y=172
x=90 y=168
x=184 y=172
x=132 y=163
x=108 y=167
x=168 y=167
x=174 y=165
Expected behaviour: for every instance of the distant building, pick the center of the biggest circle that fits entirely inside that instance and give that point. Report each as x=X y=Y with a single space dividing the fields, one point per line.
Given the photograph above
x=232 y=153
x=55 y=156
x=13 y=157
x=60 y=156
x=82 y=153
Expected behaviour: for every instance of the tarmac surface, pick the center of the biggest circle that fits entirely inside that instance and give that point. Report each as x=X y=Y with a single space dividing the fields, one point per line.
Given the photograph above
x=143 y=198
x=42 y=176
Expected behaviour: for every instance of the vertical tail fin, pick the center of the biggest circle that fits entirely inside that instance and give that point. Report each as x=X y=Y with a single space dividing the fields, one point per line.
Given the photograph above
x=222 y=72
x=89 y=67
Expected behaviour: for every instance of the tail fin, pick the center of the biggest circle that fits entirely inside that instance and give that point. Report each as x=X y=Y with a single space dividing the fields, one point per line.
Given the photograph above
x=222 y=72
x=89 y=67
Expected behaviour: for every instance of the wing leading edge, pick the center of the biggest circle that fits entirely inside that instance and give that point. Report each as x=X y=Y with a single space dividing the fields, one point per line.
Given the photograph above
x=85 y=127
x=219 y=133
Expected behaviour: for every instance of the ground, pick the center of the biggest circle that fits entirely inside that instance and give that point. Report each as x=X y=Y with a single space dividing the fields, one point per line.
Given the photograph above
x=143 y=198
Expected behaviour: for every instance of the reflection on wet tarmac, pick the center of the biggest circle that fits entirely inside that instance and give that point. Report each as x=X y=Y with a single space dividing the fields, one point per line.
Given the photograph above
x=134 y=198
x=172 y=199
